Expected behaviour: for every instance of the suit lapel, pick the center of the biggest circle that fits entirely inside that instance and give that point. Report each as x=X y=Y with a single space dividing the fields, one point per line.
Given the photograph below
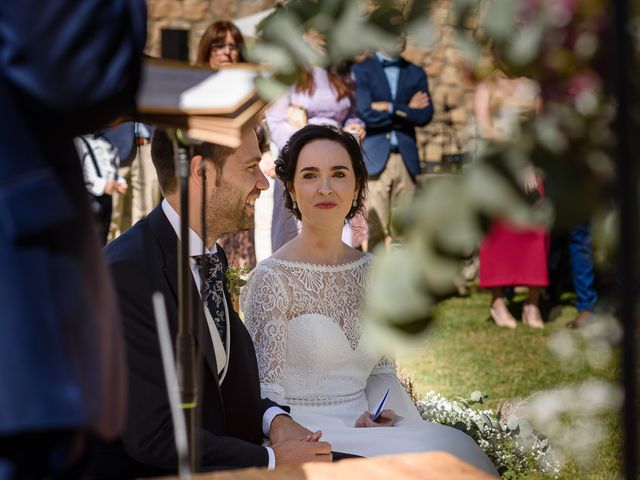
x=166 y=238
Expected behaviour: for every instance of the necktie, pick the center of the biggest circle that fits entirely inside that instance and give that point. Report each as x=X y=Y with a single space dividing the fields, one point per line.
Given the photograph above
x=213 y=292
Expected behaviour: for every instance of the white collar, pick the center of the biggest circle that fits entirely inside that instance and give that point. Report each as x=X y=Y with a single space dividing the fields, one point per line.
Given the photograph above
x=195 y=242
x=381 y=57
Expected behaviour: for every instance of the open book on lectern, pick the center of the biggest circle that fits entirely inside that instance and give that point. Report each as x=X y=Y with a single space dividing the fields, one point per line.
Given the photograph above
x=216 y=106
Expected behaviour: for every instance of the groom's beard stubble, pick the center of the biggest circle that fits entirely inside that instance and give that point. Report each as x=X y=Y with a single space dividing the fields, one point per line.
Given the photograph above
x=226 y=211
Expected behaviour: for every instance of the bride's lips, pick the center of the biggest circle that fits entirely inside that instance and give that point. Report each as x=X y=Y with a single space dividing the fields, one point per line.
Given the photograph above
x=325 y=205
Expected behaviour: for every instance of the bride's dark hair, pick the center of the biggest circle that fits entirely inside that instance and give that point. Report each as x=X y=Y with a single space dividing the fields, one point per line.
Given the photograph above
x=288 y=160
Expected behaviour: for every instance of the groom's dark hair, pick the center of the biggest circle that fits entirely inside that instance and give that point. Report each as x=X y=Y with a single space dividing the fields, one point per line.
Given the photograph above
x=164 y=162
x=288 y=160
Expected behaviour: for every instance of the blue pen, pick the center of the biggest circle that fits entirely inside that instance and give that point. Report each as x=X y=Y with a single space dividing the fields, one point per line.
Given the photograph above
x=376 y=414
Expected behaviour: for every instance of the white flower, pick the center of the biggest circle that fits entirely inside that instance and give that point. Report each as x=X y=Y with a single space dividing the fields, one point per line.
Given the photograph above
x=519 y=451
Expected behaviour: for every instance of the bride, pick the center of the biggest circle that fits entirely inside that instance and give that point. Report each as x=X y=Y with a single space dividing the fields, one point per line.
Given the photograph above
x=301 y=307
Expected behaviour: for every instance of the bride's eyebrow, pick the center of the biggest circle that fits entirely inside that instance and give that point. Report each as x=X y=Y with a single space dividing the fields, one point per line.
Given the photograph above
x=316 y=169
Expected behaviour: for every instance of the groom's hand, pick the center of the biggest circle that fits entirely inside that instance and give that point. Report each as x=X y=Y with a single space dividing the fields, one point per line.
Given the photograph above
x=283 y=427
x=295 y=452
x=387 y=419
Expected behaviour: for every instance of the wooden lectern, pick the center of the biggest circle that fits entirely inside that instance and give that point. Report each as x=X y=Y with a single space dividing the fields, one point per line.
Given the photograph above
x=410 y=466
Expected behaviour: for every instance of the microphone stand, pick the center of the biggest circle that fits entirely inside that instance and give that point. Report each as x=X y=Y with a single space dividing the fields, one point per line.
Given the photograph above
x=185 y=341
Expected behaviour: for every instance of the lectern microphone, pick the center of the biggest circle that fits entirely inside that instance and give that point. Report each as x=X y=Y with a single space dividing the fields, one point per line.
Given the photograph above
x=185 y=139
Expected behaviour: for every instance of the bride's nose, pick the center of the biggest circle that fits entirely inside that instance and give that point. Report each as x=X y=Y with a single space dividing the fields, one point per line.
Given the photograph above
x=325 y=186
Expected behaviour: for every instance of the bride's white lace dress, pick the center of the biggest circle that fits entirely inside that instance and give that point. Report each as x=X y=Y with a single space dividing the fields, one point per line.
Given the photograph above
x=304 y=321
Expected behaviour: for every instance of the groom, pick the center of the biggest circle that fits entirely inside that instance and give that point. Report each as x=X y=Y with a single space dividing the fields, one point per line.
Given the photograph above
x=144 y=259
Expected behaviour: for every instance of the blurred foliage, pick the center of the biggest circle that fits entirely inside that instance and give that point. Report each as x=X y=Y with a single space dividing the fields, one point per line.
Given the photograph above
x=566 y=47
x=348 y=32
x=512 y=445
x=561 y=44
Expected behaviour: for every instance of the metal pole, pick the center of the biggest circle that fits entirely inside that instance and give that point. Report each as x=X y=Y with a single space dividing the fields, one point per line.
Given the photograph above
x=185 y=341
x=627 y=199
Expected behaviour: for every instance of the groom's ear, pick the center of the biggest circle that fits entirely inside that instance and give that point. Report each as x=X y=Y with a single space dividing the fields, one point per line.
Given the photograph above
x=196 y=173
x=195 y=169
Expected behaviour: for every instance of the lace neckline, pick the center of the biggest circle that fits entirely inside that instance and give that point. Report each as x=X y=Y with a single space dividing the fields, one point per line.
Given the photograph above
x=320 y=267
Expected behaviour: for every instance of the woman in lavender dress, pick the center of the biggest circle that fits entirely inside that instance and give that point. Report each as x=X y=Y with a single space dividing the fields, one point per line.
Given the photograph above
x=321 y=97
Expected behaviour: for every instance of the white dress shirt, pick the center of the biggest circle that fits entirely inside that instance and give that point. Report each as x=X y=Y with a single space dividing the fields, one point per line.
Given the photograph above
x=195 y=249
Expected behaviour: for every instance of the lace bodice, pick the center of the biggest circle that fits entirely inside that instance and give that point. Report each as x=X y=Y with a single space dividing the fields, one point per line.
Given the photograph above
x=304 y=321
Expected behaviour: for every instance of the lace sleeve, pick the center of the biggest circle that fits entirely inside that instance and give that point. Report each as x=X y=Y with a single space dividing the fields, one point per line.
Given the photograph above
x=264 y=301
x=385 y=365
x=384 y=376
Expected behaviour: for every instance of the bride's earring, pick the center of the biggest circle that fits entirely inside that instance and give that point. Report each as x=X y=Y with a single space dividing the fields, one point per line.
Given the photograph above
x=355 y=203
x=295 y=205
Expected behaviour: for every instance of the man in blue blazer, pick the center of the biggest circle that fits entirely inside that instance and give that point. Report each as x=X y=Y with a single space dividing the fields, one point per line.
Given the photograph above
x=66 y=67
x=392 y=97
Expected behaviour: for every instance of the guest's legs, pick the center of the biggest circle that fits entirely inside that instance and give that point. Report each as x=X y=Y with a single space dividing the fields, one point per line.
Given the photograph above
x=378 y=211
x=393 y=188
x=582 y=273
x=582 y=270
x=403 y=189
x=499 y=311
x=145 y=189
x=121 y=214
x=531 y=313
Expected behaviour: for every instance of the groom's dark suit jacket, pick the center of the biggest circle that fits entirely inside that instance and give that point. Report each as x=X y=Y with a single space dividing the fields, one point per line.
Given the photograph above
x=144 y=260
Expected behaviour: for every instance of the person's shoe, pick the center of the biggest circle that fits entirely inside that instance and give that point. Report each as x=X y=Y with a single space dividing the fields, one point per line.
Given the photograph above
x=531 y=316
x=580 y=320
x=501 y=315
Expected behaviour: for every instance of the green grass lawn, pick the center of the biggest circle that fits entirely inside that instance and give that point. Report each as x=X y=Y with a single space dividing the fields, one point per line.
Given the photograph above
x=465 y=351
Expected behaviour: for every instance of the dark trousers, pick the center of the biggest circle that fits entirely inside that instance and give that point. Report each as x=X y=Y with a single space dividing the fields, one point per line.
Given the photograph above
x=33 y=456
x=102 y=208
x=582 y=269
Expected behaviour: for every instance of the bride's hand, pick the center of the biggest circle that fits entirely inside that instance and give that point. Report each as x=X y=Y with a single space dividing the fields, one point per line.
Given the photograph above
x=387 y=419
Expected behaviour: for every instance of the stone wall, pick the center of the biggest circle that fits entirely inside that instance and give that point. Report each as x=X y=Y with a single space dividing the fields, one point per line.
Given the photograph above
x=448 y=82
x=443 y=61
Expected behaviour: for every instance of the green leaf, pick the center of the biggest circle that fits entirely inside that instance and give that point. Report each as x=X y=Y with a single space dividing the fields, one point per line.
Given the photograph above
x=498 y=19
x=270 y=88
x=525 y=43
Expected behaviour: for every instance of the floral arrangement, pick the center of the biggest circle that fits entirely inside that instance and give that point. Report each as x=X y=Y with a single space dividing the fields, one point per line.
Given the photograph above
x=512 y=445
